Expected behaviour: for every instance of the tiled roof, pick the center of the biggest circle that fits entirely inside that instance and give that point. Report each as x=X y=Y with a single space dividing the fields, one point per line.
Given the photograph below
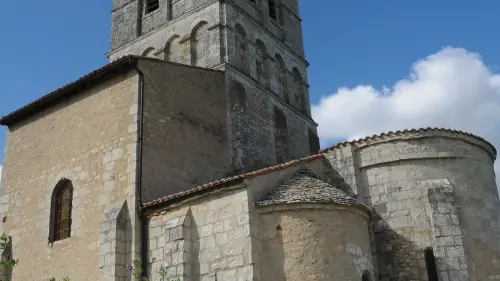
x=408 y=131
x=306 y=187
x=230 y=180
x=75 y=87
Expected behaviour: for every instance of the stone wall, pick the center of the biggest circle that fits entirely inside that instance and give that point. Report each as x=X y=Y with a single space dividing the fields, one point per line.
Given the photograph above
x=124 y=22
x=261 y=185
x=397 y=173
x=185 y=128
x=89 y=139
x=239 y=38
x=314 y=242
x=287 y=26
x=259 y=120
x=174 y=40
x=203 y=239
x=276 y=50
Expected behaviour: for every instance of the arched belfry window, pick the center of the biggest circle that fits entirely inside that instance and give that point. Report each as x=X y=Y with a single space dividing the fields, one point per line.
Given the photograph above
x=430 y=264
x=366 y=276
x=151 y=6
x=280 y=136
x=241 y=48
x=273 y=11
x=60 y=217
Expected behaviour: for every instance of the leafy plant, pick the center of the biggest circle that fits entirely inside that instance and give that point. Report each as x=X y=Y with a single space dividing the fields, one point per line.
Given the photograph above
x=136 y=272
x=6 y=263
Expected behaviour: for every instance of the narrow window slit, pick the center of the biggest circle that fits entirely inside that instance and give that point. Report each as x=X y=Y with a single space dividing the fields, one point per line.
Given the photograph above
x=430 y=263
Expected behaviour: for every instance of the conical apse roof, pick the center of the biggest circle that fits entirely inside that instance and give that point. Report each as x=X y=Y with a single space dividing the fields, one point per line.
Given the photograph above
x=306 y=187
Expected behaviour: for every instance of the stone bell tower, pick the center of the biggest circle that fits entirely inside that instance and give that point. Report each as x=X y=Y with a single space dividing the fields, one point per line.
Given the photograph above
x=258 y=43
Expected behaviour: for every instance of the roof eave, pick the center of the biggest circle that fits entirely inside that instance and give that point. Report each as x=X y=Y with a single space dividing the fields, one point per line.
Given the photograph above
x=67 y=91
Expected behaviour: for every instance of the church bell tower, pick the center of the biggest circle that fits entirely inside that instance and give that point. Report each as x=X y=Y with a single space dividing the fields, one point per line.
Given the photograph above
x=259 y=45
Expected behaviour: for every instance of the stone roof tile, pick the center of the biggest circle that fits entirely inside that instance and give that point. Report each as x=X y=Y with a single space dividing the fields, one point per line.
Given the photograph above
x=306 y=187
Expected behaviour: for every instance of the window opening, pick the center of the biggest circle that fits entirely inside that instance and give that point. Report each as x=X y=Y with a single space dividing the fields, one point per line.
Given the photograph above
x=152 y=5
x=62 y=207
x=430 y=264
x=366 y=276
x=273 y=13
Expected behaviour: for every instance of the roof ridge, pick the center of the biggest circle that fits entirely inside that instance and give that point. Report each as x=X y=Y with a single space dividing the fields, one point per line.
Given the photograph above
x=406 y=131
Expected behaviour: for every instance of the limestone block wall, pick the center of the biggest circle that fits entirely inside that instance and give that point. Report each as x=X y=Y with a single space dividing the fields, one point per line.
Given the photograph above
x=185 y=141
x=124 y=21
x=258 y=119
x=206 y=238
x=261 y=185
x=115 y=243
x=314 y=242
x=430 y=188
x=274 y=46
x=342 y=162
x=89 y=139
x=286 y=28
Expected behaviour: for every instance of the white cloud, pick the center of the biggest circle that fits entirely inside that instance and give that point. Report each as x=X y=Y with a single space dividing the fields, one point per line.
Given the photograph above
x=1 y=176
x=452 y=88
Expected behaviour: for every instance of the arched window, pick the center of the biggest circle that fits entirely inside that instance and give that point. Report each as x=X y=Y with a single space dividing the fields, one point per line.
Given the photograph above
x=262 y=64
x=281 y=74
x=60 y=218
x=299 y=88
x=241 y=48
x=149 y=52
x=280 y=136
x=273 y=11
x=237 y=98
x=173 y=49
x=200 y=43
x=366 y=276
x=151 y=6
x=430 y=264
x=313 y=142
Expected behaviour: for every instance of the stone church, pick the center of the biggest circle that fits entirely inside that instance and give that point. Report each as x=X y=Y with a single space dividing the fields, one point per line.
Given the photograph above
x=194 y=149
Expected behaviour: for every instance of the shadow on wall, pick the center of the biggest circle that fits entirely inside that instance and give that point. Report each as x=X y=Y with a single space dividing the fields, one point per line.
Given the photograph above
x=335 y=179
x=273 y=267
x=400 y=259
x=195 y=249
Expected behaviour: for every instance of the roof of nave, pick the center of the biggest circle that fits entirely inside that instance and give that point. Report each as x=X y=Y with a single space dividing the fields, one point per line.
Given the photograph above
x=239 y=178
x=408 y=133
x=74 y=88
x=230 y=181
x=305 y=187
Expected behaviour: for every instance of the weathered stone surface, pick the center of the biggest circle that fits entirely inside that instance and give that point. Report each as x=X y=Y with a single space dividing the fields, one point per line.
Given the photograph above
x=428 y=188
x=195 y=246
x=263 y=58
x=315 y=243
x=87 y=141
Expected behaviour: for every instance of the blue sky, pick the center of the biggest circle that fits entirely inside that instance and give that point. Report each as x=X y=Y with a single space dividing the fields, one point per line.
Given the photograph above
x=348 y=43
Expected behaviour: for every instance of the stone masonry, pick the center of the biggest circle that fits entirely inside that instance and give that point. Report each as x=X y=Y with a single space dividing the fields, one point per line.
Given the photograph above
x=415 y=184
x=428 y=188
x=180 y=156
x=209 y=240
x=43 y=150
x=262 y=56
